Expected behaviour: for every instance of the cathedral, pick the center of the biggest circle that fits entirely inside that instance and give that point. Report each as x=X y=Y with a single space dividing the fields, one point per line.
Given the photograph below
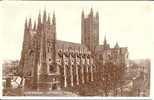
x=48 y=63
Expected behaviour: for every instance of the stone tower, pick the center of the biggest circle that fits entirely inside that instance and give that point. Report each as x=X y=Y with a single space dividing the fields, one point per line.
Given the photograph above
x=47 y=68
x=90 y=30
x=48 y=43
x=38 y=58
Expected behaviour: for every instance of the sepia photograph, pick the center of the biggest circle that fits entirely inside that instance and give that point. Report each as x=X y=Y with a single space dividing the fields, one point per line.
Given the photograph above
x=76 y=48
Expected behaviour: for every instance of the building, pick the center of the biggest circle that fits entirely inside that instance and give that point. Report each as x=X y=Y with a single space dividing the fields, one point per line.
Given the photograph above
x=117 y=55
x=48 y=63
x=9 y=68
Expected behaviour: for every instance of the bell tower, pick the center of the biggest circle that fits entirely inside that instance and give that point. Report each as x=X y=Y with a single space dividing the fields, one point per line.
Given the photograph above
x=90 y=30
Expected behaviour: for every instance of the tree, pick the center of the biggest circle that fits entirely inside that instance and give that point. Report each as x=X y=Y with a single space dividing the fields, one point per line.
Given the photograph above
x=110 y=76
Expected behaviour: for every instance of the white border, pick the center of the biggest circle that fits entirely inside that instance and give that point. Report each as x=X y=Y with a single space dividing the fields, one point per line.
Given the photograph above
x=92 y=97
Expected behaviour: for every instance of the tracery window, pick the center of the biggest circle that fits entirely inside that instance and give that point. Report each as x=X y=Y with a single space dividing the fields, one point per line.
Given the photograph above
x=51 y=68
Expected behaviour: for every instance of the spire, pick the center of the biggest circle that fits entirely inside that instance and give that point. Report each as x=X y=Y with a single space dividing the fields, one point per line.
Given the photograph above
x=97 y=14
x=39 y=22
x=91 y=12
x=30 y=24
x=39 y=18
x=49 y=18
x=34 y=27
x=116 y=45
x=54 y=19
x=26 y=23
x=44 y=16
x=105 y=42
x=82 y=13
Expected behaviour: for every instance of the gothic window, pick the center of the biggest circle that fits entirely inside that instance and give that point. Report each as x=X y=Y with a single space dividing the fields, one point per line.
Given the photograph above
x=48 y=49
x=48 y=43
x=54 y=86
x=31 y=52
x=51 y=68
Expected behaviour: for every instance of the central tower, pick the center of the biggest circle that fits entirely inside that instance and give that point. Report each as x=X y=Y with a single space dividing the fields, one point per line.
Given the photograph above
x=90 y=30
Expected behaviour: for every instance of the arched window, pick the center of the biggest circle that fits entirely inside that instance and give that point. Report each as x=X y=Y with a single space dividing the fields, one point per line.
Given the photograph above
x=48 y=49
x=51 y=68
x=54 y=86
x=31 y=52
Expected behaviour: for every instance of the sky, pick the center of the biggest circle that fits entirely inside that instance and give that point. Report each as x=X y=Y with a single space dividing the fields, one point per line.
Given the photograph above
x=128 y=23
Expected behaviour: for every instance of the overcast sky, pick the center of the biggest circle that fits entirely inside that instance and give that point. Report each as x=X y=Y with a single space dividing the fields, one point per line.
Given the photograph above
x=128 y=23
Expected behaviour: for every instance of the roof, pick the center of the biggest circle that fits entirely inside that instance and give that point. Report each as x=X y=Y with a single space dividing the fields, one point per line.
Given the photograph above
x=64 y=44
